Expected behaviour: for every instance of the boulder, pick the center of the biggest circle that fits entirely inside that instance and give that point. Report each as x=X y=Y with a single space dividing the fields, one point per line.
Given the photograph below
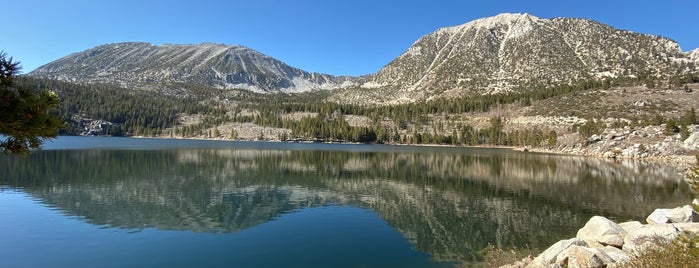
x=578 y=256
x=631 y=225
x=616 y=254
x=658 y=216
x=648 y=235
x=548 y=257
x=688 y=227
x=609 y=155
x=692 y=142
x=676 y=215
x=601 y=230
x=682 y=214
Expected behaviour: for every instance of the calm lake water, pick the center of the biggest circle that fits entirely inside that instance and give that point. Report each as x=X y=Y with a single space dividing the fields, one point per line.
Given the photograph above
x=122 y=202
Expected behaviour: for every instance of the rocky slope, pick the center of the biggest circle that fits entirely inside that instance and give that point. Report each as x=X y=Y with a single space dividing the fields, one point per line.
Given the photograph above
x=501 y=53
x=146 y=66
x=508 y=51
x=694 y=54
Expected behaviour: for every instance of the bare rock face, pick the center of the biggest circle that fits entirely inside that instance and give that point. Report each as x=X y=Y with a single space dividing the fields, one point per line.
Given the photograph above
x=694 y=54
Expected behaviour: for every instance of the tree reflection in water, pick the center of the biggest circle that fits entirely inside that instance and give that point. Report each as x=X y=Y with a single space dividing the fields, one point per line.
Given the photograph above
x=448 y=203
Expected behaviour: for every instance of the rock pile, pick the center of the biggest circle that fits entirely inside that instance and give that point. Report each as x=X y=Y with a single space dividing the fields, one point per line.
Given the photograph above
x=642 y=142
x=603 y=243
x=650 y=142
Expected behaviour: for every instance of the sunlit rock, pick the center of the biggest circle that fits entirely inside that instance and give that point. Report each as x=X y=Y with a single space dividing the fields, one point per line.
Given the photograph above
x=603 y=231
x=648 y=235
x=550 y=255
x=676 y=215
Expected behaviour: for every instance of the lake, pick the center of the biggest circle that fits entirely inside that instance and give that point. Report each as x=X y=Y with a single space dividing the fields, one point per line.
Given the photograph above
x=125 y=202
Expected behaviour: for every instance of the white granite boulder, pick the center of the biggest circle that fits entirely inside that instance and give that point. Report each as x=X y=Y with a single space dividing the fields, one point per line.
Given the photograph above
x=675 y=215
x=631 y=225
x=601 y=230
x=549 y=256
x=687 y=227
x=648 y=235
x=579 y=256
x=658 y=216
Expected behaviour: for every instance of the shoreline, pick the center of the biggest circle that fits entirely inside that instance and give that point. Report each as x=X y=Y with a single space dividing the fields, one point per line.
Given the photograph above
x=681 y=162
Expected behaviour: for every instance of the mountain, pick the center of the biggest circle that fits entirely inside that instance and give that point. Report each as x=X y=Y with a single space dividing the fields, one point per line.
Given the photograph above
x=507 y=51
x=694 y=55
x=504 y=53
x=146 y=66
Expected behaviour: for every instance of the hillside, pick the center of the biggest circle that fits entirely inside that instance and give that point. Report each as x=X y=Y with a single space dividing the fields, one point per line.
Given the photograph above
x=513 y=52
x=147 y=66
x=510 y=80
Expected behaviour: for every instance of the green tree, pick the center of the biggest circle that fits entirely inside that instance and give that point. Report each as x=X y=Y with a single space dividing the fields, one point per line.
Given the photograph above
x=26 y=121
x=552 y=139
x=589 y=128
x=495 y=131
x=684 y=132
x=689 y=117
x=671 y=127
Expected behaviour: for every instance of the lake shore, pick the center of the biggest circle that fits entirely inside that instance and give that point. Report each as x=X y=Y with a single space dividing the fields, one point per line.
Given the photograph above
x=682 y=162
x=603 y=178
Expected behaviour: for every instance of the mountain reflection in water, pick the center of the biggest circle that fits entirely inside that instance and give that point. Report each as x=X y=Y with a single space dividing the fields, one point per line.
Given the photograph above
x=448 y=203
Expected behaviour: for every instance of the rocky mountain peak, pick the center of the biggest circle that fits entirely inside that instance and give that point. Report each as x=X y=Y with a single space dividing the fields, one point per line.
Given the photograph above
x=503 y=53
x=511 y=51
x=148 y=66
x=515 y=20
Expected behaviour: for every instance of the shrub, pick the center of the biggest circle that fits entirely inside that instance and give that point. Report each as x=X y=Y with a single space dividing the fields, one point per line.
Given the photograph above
x=681 y=252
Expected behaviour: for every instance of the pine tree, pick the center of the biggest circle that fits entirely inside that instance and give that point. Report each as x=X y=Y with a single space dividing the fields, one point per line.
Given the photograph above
x=690 y=117
x=26 y=121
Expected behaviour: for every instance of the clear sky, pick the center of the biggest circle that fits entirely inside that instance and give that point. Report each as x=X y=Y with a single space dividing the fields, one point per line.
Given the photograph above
x=339 y=37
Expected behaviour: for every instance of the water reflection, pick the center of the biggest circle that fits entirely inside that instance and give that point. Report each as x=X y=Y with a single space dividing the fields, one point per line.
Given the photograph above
x=449 y=204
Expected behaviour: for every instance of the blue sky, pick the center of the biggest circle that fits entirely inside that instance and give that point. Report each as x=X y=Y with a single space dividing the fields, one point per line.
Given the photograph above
x=338 y=37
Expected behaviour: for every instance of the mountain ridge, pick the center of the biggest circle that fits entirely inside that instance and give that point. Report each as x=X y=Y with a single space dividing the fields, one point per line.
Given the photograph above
x=147 y=66
x=503 y=53
x=507 y=51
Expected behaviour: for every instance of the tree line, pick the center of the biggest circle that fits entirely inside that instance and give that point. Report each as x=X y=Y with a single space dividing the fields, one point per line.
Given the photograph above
x=131 y=112
x=149 y=113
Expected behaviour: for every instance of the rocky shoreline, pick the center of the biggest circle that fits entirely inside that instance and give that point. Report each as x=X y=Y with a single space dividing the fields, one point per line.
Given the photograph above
x=604 y=243
x=651 y=143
